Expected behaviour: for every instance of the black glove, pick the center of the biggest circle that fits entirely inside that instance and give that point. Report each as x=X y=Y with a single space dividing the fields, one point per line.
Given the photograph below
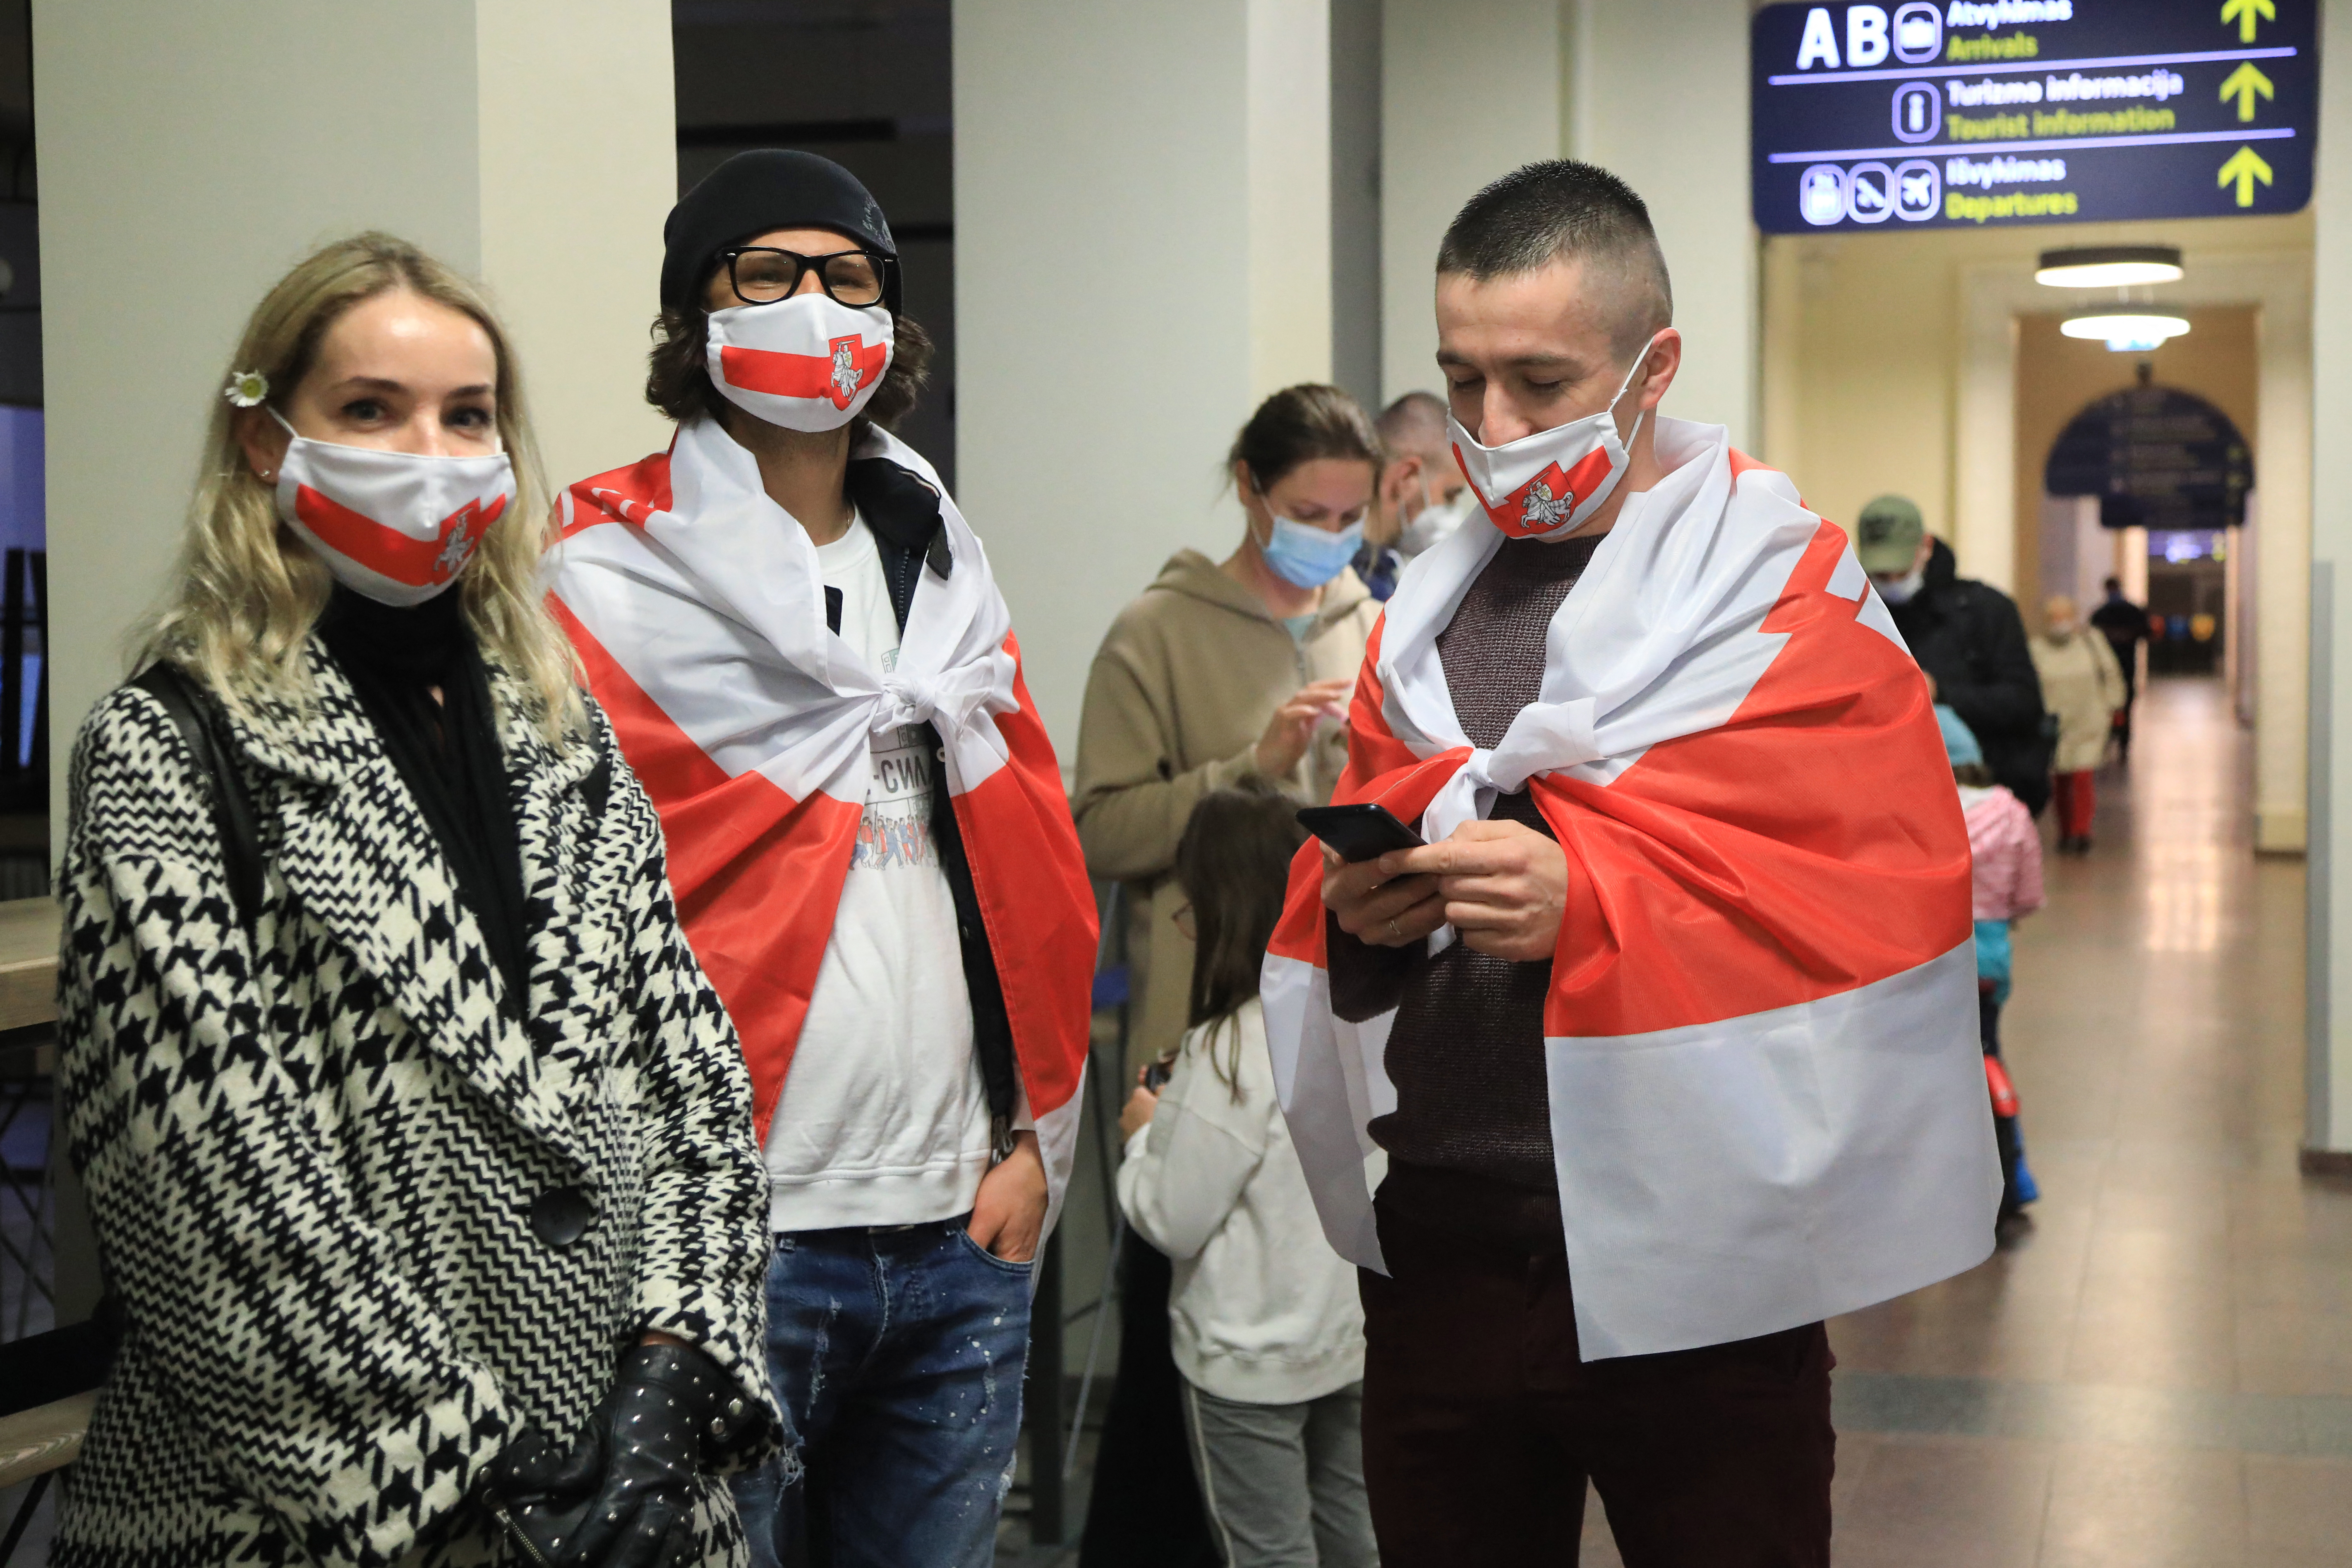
x=636 y=1466
x=539 y=1494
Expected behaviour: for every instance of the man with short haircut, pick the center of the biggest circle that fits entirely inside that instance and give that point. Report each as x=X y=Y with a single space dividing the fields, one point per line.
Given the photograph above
x=1668 y=1032
x=1420 y=498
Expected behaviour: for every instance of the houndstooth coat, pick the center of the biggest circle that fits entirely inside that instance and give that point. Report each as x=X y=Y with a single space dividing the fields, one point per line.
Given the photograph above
x=313 y=1153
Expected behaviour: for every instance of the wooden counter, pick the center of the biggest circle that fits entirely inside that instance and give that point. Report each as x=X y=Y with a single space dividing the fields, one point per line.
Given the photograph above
x=46 y=1438
x=29 y=963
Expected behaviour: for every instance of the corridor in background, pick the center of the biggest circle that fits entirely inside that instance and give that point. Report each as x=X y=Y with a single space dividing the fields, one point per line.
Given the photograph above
x=2157 y=1367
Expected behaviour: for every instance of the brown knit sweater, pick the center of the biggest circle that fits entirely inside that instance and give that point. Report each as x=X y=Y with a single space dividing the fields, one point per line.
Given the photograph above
x=1467 y=1051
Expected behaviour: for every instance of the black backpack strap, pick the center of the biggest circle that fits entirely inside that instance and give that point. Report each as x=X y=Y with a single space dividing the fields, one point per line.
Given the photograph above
x=199 y=723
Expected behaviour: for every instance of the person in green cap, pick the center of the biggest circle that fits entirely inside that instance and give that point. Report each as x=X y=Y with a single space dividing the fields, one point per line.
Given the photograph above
x=1968 y=639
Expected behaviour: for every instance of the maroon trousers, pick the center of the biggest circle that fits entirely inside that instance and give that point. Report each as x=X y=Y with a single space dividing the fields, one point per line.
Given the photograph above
x=1481 y=1424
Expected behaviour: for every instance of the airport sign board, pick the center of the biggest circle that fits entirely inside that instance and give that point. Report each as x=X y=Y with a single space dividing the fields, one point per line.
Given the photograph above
x=1970 y=113
x=2156 y=457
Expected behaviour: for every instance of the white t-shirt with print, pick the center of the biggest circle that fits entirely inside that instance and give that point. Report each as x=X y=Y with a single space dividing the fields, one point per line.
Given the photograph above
x=883 y=1118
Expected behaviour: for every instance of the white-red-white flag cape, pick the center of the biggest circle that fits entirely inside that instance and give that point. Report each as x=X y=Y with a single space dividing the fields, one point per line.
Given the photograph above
x=696 y=604
x=1767 y=1099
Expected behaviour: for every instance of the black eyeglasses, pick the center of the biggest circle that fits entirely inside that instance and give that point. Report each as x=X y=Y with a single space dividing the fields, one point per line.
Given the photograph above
x=762 y=275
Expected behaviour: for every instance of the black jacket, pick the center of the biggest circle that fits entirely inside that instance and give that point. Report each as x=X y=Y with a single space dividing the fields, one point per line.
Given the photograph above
x=2125 y=626
x=1970 y=640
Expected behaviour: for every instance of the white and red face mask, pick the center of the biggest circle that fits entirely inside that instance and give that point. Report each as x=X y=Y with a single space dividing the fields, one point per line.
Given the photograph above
x=809 y=363
x=395 y=526
x=1548 y=485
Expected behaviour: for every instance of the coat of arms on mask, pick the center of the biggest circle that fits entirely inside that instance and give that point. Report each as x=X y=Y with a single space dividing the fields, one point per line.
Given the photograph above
x=844 y=385
x=459 y=546
x=1542 y=512
x=1546 y=504
x=465 y=529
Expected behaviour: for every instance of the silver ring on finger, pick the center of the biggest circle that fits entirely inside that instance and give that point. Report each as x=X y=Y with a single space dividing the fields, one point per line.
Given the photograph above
x=1394 y=929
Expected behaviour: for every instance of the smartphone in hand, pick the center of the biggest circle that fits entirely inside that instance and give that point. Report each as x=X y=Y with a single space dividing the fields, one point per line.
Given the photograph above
x=1360 y=832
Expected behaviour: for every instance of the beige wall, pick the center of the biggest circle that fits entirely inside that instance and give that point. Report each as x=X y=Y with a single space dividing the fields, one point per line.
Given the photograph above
x=1690 y=165
x=1289 y=131
x=576 y=148
x=528 y=141
x=1468 y=92
x=1863 y=346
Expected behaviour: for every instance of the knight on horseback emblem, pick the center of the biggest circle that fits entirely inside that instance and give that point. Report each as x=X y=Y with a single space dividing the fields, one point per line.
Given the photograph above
x=843 y=384
x=1542 y=512
x=456 y=547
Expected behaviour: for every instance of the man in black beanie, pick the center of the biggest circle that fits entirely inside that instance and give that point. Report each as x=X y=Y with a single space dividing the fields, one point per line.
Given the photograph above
x=804 y=658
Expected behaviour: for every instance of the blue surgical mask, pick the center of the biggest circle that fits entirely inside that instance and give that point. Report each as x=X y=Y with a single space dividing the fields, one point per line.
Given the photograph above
x=1308 y=557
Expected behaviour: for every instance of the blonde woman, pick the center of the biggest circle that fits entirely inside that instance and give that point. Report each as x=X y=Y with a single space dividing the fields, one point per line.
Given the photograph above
x=418 y=1146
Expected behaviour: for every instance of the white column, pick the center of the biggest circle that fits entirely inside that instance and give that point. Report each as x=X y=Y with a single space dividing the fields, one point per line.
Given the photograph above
x=1142 y=251
x=577 y=145
x=1984 y=489
x=1289 y=131
x=1781 y=347
x=2328 y=1133
x=2285 y=345
x=189 y=155
x=1467 y=92
x=1659 y=97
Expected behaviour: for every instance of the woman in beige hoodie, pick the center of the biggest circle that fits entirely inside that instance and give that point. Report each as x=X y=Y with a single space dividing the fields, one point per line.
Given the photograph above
x=1222 y=671
x=2082 y=686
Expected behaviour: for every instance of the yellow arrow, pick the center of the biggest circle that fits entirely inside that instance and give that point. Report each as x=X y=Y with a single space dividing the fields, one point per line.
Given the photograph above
x=2245 y=168
x=2242 y=85
x=2244 y=11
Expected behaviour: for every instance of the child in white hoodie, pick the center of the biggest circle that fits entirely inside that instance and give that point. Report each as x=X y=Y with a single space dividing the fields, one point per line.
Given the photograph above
x=1264 y=1317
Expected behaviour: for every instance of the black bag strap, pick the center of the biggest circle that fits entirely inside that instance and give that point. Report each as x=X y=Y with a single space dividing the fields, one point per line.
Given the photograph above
x=199 y=723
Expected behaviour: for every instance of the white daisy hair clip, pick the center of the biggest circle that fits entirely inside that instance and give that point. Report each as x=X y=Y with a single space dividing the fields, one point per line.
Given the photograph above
x=246 y=388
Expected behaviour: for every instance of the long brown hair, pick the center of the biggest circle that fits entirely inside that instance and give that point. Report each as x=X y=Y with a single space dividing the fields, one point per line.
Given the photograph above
x=246 y=591
x=1234 y=864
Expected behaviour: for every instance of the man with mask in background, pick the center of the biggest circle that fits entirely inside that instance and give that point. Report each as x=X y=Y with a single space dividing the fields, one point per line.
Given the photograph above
x=796 y=637
x=1668 y=1026
x=1421 y=496
x=1970 y=641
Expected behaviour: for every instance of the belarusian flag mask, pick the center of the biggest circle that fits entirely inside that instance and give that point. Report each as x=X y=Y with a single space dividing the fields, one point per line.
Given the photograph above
x=808 y=363
x=395 y=526
x=1548 y=485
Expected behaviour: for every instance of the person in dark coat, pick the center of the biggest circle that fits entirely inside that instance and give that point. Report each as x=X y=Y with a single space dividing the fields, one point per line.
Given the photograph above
x=2125 y=626
x=1969 y=640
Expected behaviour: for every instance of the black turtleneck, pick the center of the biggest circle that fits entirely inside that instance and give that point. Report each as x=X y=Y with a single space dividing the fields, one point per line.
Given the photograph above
x=446 y=752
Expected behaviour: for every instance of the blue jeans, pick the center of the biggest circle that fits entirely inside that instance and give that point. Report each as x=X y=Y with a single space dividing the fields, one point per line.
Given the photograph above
x=896 y=1355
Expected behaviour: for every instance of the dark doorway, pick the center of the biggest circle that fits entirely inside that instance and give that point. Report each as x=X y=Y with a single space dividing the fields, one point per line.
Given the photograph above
x=866 y=83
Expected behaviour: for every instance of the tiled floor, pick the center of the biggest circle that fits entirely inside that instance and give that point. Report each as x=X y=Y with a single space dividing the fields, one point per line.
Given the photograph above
x=2157 y=1370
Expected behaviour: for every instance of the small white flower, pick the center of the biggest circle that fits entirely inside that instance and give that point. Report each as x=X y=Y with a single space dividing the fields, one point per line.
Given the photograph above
x=246 y=388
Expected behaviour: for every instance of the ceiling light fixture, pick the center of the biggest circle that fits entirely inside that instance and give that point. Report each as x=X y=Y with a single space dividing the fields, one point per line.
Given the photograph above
x=2109 y=267
x=2126 y=330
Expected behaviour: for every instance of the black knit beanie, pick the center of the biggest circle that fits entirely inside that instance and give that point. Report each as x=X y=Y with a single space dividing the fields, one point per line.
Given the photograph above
x=765 y=189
